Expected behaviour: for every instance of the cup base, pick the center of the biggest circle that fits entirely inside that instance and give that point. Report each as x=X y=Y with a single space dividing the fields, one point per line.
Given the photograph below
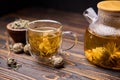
x=55 y=61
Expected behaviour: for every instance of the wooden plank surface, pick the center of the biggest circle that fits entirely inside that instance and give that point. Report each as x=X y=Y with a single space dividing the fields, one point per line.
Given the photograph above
x=76 y=67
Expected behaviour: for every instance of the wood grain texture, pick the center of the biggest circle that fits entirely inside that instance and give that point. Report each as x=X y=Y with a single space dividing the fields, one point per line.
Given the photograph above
x=76 y=65
x=8 y=74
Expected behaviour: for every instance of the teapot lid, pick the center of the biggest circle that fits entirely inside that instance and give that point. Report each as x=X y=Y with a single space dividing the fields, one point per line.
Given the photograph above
x=109 y=5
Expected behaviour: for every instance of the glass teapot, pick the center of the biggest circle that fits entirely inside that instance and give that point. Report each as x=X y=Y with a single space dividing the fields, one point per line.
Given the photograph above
x=102 y=37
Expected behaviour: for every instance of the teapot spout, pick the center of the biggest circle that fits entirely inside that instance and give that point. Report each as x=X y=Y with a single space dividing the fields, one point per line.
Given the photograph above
x=90 y=15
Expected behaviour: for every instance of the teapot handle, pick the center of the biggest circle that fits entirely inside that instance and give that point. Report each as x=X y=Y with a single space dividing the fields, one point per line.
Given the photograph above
x=90 y=15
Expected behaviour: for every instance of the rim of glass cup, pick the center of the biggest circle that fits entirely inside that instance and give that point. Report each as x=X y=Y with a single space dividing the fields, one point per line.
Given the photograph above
x=45 y=20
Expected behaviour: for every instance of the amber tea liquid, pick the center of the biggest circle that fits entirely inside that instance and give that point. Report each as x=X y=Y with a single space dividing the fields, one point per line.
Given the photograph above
x=102 y=50
x=44 y=42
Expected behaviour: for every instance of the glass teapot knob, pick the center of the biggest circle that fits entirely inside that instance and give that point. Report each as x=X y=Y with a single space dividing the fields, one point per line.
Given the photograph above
x=90 y=15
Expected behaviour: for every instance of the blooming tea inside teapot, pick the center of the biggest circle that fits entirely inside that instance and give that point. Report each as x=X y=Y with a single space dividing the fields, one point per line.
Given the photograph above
x=102 y=37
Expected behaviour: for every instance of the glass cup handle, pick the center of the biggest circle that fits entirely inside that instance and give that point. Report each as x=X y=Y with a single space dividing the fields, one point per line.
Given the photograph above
x=73 y=35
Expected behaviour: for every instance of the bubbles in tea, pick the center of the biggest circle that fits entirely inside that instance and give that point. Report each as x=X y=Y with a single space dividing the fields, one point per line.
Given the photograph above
x=45 y=41
x=102 y=50
x=104 y=30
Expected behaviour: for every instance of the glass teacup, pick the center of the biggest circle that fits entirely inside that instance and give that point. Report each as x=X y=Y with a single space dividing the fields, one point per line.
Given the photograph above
x=45 y=38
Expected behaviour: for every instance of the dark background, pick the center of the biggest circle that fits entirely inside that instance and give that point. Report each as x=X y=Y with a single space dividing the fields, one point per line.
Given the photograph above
x=7 y=6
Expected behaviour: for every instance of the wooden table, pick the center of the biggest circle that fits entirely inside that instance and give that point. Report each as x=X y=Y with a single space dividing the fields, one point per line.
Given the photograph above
x=77 y=66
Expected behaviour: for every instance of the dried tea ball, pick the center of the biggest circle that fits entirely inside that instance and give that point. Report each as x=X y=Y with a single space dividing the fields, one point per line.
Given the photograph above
x=57 y=61
x=26 y=49
x=11 y=62
x=18 y=47
x=20 y=24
